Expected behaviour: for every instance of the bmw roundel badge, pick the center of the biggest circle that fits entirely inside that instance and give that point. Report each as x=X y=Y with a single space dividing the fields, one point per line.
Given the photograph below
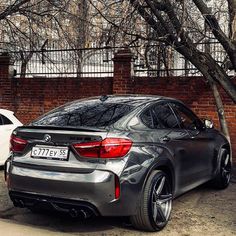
x=47 y=138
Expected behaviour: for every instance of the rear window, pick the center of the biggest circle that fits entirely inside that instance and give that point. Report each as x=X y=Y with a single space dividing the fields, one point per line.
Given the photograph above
x=91 y=114
x=4 y=120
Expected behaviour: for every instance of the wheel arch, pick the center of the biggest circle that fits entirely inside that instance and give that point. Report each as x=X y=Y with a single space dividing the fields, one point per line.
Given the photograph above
x=166 y=166
x=226 y=146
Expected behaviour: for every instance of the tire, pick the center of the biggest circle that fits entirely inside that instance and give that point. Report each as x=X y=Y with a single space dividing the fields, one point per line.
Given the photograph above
x=155 y=203
x=222 y=179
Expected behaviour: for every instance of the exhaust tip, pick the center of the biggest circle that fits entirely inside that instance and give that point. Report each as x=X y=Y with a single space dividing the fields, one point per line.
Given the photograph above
x=78 y=214
x=84 y=214
x=73 y=213
x=19 y=203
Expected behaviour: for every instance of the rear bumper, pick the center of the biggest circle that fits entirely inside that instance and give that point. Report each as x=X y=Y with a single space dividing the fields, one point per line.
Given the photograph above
x=95 y=189
x=75 y=208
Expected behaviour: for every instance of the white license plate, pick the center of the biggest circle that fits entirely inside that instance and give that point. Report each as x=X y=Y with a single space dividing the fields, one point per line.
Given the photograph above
x=47 y=152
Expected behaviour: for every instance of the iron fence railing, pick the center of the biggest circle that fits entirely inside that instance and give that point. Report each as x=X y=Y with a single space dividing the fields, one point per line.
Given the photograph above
x=88 y=62
x=152 y=60
x=164 y=61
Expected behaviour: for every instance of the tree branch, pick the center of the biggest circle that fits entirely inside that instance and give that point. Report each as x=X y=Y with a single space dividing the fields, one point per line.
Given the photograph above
x=213 y=23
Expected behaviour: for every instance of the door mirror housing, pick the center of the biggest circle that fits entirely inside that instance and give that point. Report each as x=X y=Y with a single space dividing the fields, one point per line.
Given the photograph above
x=208 y=123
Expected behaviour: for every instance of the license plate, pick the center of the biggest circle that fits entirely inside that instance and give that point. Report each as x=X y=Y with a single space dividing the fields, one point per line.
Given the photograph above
x=52 y=153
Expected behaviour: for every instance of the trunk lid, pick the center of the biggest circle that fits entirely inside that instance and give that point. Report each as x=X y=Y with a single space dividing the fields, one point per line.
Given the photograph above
x=53 y=139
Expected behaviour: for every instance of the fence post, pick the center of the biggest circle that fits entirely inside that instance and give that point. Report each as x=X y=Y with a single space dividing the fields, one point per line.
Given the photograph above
x=122 y=79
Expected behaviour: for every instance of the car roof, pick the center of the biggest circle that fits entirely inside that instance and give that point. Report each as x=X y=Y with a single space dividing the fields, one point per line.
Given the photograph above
x=5 y=111
x=129 y=99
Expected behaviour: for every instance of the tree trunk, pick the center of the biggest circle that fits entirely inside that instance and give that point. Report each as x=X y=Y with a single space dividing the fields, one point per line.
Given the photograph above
x=232 y=19
x=219 y=34
x=82 y=32
x=204 y=62
x=220 y=110
x=23 y=69
x=209 y=68
x=184 y=45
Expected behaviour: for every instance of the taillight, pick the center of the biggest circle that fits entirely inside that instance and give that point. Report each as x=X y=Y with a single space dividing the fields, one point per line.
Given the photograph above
x=17 y=144
x=107 y=148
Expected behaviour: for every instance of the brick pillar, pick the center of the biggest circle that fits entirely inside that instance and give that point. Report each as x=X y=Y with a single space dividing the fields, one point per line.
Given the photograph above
x=122 y=80
x=4 y=66
x=6 y=83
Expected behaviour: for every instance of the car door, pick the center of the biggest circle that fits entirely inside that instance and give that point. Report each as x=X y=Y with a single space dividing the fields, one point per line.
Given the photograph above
x=176 y=139
x=6 y=128
x=199 y=144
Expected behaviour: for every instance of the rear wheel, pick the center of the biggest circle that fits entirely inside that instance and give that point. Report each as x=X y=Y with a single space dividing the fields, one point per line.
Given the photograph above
x=155 y=204
x=222 y=179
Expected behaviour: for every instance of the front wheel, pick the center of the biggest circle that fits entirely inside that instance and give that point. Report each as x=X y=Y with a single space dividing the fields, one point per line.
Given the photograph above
x=221 y=181
x=155 y=203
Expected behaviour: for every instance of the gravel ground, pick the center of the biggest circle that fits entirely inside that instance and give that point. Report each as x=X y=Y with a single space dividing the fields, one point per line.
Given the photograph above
x=202 y=211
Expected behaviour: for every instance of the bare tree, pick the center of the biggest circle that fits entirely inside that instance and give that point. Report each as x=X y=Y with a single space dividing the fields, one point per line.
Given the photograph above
x=181 y=24
x=34 y=25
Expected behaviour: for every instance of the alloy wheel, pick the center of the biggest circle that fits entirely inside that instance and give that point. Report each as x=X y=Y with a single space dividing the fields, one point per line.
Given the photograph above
x=226 y=168
x=161 y=201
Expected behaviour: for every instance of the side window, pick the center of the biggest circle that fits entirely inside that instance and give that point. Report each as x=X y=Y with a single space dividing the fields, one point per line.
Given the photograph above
x=165 y=117
x=147 y=118
x=186 y=118
x=1 y=123
x=5 y=120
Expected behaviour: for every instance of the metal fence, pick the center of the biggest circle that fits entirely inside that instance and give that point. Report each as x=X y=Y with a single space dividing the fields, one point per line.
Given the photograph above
x=164 y=61
x=153 y=61
x=89 y=62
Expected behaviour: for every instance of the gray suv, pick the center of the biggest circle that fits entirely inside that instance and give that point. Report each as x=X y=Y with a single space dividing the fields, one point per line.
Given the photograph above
x=115 y=156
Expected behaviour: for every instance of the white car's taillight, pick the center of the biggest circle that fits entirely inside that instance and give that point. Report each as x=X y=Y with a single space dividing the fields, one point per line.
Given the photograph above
x=17 y=144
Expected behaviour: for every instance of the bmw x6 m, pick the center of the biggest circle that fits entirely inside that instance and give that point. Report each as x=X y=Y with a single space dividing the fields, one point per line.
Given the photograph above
x=115 y=156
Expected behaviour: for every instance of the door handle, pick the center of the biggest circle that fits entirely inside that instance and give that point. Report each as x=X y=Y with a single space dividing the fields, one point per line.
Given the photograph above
x=165 y=139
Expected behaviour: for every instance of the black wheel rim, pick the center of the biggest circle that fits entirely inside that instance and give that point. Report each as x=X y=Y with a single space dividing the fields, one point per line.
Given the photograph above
x=161 y=201
x=226 y=168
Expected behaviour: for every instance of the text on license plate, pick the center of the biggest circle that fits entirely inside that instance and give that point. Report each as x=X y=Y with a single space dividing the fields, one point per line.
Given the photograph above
x=60 y=153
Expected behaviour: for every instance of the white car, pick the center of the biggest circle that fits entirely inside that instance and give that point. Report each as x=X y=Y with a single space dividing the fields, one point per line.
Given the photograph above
x=8 y=122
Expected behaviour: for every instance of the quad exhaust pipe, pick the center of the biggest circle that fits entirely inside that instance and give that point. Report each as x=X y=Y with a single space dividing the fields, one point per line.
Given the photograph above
x=74 y=213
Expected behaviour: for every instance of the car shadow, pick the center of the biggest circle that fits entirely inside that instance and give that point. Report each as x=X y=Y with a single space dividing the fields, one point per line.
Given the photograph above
x=62 y=222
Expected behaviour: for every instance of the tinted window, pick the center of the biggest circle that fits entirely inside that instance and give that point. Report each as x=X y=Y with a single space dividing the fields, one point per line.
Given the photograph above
x=147 y=118
x=159 y=116
x=5 y=120
x=186 y=118
x=165 y=117
x=92 y=114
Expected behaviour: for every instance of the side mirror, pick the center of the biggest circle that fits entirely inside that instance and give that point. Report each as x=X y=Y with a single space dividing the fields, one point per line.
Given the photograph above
x=208 y=124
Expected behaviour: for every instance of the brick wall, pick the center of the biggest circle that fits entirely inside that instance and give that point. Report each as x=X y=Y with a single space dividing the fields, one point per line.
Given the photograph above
x=31 y=97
